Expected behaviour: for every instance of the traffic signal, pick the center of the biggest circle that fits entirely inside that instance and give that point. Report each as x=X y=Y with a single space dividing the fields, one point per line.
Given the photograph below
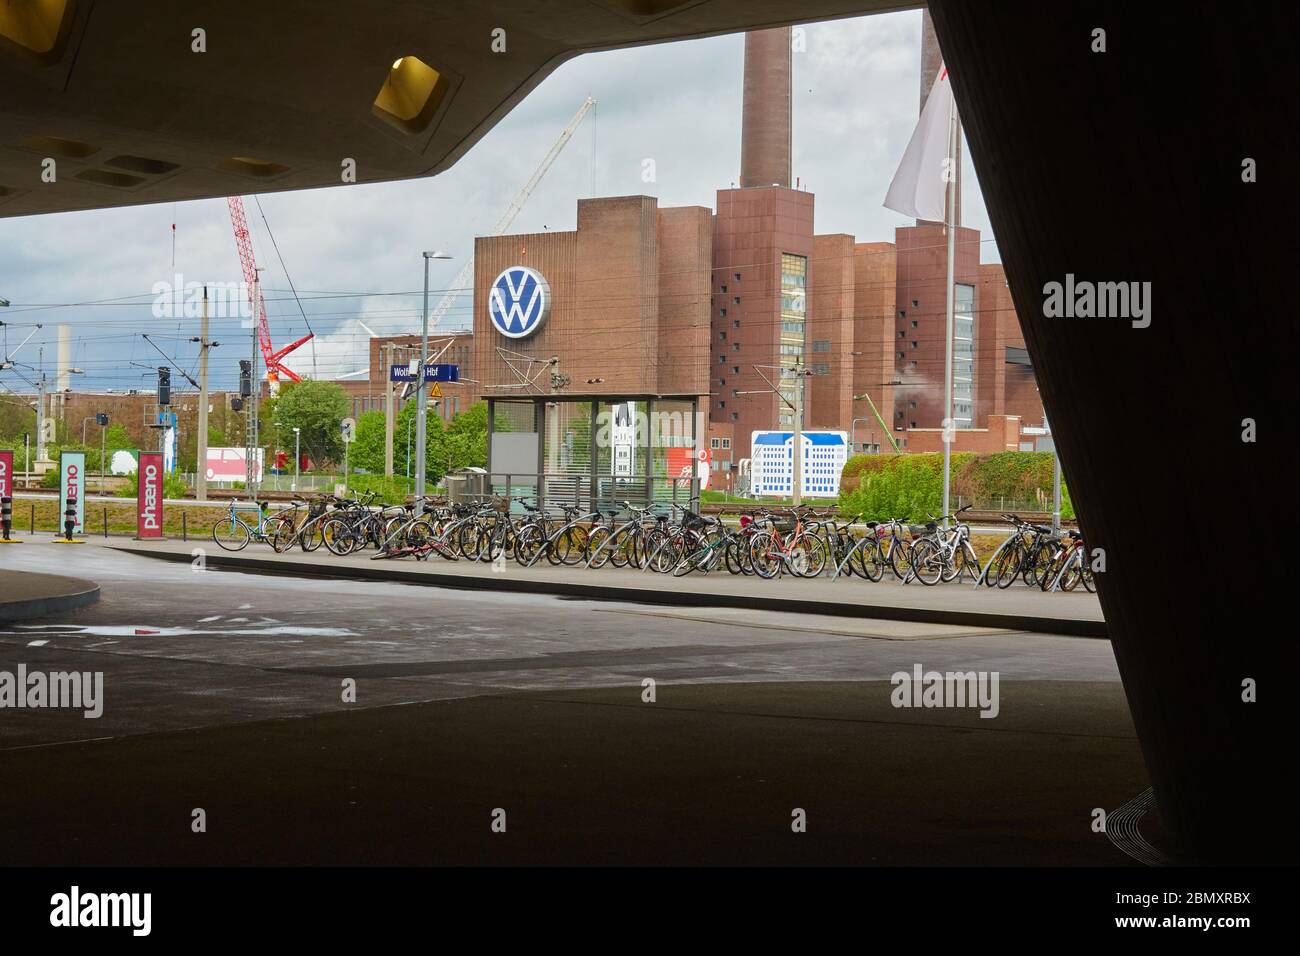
x=164 y=385
x=101 y=419
x=236 y=404
x=245 y=378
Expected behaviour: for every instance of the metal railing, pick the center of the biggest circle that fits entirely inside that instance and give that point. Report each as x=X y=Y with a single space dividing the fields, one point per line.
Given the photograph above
x=307 y=484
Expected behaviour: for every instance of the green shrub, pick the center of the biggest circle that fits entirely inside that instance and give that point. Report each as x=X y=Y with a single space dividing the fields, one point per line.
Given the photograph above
x=173 y=487
x=898 y=486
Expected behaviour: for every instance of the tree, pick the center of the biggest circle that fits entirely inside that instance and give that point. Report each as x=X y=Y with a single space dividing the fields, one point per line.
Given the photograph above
x=317 y=409
x=461 y=442
x=367 y=451
x=117 y=437
x=466 y=440
x=16 y=418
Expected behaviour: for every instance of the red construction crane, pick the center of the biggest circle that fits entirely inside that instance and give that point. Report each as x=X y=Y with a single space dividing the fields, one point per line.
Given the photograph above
x=275 y=367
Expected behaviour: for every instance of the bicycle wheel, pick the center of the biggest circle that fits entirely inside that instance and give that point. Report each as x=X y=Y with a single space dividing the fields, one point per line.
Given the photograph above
x=764 y=555
x=1073 y=573
x=927 y=561
x=467 y=540
x=808 y=556
x=337 y=535
x=1048 y=577
x=736 y=556
x=492 y=542
x=971 y=565
x=599 y=550
x=1089 y=582
x=664 y=554
x=622 y=549
x=1045 y=568
x=284 y=538
x=231 y=534
x=528 y=544
x=866 y=559
x=954 y=562
x=842 y=547
x=1037 y=564
x=688 y=563
x=311 y=538
x=1006 y=566
x=391 y=527
x=557 y=546
x=579 y=546
x=900 y=560
x=269 y=529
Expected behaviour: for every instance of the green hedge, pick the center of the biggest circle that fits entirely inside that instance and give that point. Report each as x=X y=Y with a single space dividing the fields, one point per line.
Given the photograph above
x=911 y=486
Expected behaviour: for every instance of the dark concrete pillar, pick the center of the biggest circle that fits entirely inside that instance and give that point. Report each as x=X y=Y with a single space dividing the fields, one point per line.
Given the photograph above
x=765 y=123
x=1127 y=166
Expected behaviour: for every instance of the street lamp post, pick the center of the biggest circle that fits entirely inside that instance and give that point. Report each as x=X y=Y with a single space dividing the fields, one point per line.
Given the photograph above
x=853 y=430
x=297 y=458
x=422 y=394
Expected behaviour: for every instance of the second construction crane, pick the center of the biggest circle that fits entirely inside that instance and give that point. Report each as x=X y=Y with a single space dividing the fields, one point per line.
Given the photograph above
x=462 y=280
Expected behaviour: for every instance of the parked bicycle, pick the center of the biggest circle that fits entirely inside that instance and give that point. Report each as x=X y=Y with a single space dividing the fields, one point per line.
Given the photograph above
x=232 y=532
x=943 y=554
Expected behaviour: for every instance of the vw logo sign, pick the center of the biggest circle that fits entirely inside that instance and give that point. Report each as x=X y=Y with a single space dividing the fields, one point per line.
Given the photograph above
x=519 y=302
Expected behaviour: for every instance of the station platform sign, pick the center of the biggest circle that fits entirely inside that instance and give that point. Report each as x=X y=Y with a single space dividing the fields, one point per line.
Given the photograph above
x=432 y=373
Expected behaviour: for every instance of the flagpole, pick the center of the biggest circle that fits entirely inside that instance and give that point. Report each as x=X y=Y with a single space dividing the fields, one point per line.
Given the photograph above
x=950 y=226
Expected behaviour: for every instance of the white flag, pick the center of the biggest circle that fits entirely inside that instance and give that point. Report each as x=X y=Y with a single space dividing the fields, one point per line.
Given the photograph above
x=919 y=186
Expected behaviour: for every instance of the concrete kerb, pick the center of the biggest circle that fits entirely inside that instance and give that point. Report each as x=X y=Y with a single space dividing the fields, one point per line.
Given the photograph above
x=677 y=597
x=27 y=594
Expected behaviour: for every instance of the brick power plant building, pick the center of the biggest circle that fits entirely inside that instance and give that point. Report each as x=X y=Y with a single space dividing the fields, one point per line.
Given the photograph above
x=688 y=301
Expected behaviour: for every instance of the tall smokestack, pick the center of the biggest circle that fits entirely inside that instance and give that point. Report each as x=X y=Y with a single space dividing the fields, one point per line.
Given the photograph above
x=931 y=61
x=765 y=121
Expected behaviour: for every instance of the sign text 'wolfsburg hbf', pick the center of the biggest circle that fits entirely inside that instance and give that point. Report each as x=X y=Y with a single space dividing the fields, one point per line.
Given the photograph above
x=519 y=302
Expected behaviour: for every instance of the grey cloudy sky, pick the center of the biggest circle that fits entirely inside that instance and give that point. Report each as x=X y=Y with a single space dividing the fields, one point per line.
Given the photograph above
x=856 y=90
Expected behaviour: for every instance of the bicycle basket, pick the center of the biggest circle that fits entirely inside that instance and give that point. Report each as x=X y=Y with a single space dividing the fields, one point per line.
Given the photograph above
x=316 y=509
x=783 y=525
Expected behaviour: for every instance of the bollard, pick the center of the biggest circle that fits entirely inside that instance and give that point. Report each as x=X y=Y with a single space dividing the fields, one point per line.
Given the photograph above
x=184 y=530
x=7 y=520
x=106 y=521
x=33 y=531
x=69 y=525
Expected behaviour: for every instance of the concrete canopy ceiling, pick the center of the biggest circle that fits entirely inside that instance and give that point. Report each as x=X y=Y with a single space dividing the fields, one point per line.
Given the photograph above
x=286 y=92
